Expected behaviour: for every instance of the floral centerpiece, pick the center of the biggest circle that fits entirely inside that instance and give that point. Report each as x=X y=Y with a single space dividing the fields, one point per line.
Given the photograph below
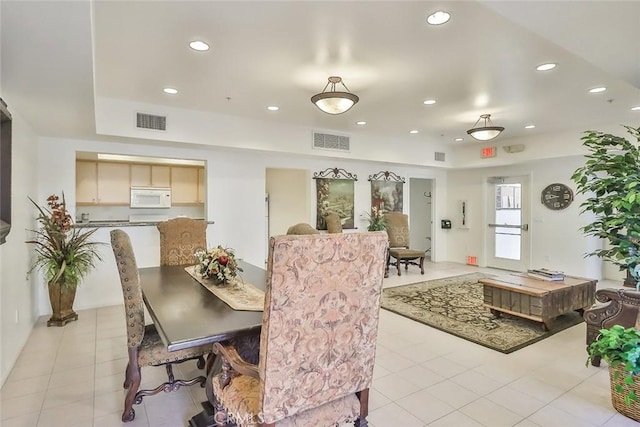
x=377 y=219
x=218 y=264
x=64 y=253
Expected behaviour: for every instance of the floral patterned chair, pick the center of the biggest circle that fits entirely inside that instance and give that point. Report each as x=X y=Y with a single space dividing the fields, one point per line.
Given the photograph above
x=398 y=231
x=145 y=345
x=180 y=238
x=318 y=339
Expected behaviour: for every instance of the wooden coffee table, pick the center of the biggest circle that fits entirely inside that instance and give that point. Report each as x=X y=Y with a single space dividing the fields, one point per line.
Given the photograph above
x=537 y=299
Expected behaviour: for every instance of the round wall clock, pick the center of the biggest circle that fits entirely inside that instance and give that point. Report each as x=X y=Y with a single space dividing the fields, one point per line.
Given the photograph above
x=557 y=196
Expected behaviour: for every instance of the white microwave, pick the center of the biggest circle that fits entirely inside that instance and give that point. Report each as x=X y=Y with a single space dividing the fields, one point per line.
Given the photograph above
x=150 y=197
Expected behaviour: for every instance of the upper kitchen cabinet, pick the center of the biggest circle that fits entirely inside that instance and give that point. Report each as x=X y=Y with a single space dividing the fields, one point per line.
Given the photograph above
x=184 y=185
x=102 y=183
x=202 y=185
x=150 y=176
x=86 y=183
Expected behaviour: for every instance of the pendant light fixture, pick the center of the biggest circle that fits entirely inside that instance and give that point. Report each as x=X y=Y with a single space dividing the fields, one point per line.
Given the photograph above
x=486 y=132
x=332 y=101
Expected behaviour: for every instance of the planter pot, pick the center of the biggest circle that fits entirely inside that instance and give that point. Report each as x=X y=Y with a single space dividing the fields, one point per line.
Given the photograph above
x=61 y=298
x=617 y=399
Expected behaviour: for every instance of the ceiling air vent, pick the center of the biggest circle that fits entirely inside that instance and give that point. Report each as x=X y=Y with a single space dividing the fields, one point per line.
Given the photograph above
x=326 y=141
x=149 y=121
x=439 y=157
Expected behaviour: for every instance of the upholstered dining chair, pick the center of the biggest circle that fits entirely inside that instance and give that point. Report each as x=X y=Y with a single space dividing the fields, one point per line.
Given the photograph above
x=301 y=229
x=318 y=338
x=180 y=238
x=398 y=231
x=145 y=345
x=334 y=223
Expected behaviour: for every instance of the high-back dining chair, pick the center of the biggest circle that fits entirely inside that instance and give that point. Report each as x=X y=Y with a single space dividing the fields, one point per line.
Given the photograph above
x=398 y=231
x=318 y=338
x=145 y=345
x=180 y=238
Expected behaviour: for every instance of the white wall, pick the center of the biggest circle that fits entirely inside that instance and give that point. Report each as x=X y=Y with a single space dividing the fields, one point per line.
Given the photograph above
x=16 y=289
x=235 y=190
x=555 y=239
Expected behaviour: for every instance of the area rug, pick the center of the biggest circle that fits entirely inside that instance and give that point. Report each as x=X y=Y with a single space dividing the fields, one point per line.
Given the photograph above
x=454 y=305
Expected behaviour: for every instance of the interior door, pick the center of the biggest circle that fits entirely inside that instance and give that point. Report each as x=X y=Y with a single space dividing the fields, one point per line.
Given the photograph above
x=508 y=228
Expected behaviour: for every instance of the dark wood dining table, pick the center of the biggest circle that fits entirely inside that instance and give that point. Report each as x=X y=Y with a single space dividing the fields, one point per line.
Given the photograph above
x=186 y=314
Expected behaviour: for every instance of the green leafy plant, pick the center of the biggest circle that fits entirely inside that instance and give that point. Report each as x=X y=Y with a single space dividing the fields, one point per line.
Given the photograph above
x=377 y=220
x=619 y=346
x=610 y=179
x=63 y=252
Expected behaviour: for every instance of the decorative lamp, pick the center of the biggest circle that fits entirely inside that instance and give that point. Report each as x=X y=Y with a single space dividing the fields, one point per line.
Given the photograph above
x=486 y=132
x=333 y=102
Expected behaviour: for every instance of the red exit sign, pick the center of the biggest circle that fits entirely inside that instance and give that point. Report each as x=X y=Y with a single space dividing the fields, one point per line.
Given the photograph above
x=488 y=152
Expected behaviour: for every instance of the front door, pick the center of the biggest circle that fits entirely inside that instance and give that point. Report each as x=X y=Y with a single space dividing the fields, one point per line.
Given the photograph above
x=507 y=230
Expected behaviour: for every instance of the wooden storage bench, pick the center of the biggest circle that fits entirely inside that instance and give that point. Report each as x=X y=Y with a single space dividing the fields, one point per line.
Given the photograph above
x=537 y=299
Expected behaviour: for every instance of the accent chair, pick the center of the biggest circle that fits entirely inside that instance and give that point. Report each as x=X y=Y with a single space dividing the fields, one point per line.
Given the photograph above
x=398 y=231
x=620 y=307
x=301 y=229
x=318 y=338
x=334 y=224
x=145 y=345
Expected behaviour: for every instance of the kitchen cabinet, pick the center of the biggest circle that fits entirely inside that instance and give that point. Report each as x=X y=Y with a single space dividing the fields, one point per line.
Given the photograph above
x=202 y=186
x=160 y=176
x=184 y=185
x=86 y=183
x=150 y=176
x=113 y=183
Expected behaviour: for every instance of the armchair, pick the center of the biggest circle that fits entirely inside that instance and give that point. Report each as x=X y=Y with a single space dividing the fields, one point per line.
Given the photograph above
x=398 y=231
x=621 y=308
x=145 y=345
x=180 y=238
x=318 y=339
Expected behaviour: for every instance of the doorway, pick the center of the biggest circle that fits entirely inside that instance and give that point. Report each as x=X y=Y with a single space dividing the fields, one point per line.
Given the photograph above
x=420 y=215
x=508 y=212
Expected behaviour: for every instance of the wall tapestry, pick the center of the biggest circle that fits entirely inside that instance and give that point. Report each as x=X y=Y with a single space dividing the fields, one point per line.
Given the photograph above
x=386 y=191
x=334 y=191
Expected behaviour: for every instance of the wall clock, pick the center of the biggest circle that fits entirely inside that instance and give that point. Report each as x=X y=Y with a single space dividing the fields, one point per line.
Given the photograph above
x=557 y=196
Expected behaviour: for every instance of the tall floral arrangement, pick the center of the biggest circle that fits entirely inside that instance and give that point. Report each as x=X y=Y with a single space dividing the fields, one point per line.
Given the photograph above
x=63 y=252
x=218 y=263
x=377 y=220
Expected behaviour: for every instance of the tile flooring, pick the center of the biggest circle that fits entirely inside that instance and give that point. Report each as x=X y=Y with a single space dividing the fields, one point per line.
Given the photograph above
x=423 y=377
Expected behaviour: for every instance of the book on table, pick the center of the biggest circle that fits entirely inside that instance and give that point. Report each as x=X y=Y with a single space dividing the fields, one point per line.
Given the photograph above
x=546 y=274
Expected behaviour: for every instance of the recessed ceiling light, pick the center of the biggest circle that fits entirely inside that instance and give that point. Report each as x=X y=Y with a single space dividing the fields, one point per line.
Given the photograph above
x=170 y=90
x=438 y=18
x=199 y=45
x=459 y=139
x=361 y=123
x=273 y=108
x=636 y=108
x=546 y=67
x=597 y=89
x=429 y=101
x=530 y=126
x=413 y=131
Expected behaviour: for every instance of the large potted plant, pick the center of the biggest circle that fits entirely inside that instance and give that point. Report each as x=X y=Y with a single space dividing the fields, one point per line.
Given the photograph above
x=610 y=179
x=65 y=255
x=620 y=348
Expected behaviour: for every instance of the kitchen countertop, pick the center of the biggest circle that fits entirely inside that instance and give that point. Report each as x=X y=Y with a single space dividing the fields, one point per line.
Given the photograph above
x=119 y=223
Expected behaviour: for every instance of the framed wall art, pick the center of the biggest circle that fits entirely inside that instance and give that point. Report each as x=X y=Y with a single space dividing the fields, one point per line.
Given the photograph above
x=387 y=191
x=335 y=193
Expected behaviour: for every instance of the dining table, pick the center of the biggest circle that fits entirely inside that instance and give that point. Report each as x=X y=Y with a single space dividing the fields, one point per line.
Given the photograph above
x=186 y=314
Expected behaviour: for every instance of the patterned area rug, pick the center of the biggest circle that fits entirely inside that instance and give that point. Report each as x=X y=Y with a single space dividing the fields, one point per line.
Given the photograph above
x=454 y=305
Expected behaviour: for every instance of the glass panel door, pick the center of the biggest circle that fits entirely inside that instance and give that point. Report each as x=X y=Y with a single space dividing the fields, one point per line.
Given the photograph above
x=507 y=243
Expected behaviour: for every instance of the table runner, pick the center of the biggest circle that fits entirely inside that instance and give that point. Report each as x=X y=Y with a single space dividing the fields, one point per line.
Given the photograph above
x=239 y=295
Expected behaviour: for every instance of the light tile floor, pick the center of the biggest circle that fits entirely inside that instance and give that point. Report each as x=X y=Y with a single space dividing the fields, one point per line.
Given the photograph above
x=72 y=376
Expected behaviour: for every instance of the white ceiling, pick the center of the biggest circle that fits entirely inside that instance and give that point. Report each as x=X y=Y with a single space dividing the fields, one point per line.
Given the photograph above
x=57 y=56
